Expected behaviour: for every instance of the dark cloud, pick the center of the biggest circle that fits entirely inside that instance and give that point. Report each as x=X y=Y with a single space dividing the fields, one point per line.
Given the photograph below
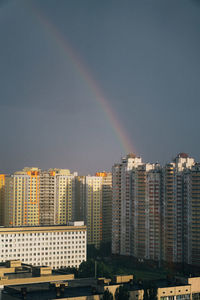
x=143 y=56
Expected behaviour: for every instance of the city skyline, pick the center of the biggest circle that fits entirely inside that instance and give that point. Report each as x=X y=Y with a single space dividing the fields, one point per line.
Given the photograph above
x=83 y=83
x=107 y=170
x=144 y=210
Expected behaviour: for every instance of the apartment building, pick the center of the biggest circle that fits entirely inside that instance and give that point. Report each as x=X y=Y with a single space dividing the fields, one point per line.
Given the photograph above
x=93 y=204
x=155 y=210
x=122 y=204
x=93 y=209
x=2 y=197
x=146 y=212
x=54 y=246
x=34 y=197
x=173 y=207
x=80 y=201
x=106 y=206
x=191 y=220
x=154 y=213
x=136 y=214
x=21 y=203
x=65 y=197
x=47 y=197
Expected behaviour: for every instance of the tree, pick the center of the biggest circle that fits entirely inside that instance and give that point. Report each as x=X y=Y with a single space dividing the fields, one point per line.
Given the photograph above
x=121 y=293
x=107 y=295
x=86 y=269
x=92 y=251
x=105 y=249
x=103 y=270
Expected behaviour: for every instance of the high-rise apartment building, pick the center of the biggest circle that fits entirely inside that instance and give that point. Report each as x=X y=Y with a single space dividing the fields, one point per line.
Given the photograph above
x=2 y=197
x=146 y=212
x=47 y=197
x=122 y=204
x=192 y=216
x=93 y=209
x=156 y=211
x=106 y=205
x=34 y=197
x=93 y=205
x=65 y=197
x=173 y=207
x=21 y=203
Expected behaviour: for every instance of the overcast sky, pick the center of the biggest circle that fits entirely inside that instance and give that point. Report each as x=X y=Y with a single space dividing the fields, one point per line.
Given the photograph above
x=144 y=56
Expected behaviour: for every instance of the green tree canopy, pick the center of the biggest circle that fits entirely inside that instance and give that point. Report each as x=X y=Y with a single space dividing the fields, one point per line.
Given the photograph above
x=86 y=268
x=121 y=293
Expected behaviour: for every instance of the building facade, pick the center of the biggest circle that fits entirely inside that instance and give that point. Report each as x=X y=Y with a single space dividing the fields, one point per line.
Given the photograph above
x=54 y=246
x=146 y=212
x=106 y=206
x=93 y=209
x=156 y=210
x=173 y=207
x=122 y=204
x=191 y=220
x=65 y=197
x=2 y=197
x=35 y=197
x=94 y=206
x=136 y=217
x=22 y=199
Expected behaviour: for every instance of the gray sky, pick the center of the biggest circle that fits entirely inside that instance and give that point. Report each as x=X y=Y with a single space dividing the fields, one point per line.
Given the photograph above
x=144 y=55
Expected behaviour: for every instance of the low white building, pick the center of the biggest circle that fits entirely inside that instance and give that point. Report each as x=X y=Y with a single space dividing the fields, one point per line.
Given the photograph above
x=54 y=246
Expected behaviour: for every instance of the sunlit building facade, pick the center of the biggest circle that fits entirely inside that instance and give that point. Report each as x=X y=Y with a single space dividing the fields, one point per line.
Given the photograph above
x=122 y=204
x=65 y=197
x=2 y=197
x=192 y=216
x=35 y=197
x=22 y=199
x=106 y=205
x=155 y=210
x=173 y=207
x=146 y=212
x=93 y=209
x=54 y=246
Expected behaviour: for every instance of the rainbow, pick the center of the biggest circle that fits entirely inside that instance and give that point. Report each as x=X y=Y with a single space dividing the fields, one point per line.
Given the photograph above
x=85 y=74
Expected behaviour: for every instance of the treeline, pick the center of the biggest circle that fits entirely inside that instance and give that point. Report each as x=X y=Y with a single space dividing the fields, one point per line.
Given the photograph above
x=88 y=269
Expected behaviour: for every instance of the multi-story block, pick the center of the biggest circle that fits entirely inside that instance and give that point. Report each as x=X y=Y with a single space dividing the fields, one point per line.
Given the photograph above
x=122 y=204
x=192 y=216
x=106 y=205
x=93 y=205
x=2 y=197
x=154 y=211
x=151 y=206
x=173 y=207
x=80 y=194
x=136 y=209
x=54 y=246
x=93 y=209
x=65 y=197
x=21 y=205
x=47 y=197
x=34 y=197
x=146 y=208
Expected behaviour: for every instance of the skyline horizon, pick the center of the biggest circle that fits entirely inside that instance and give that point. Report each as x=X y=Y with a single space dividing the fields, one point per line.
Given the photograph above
x=162 y=164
